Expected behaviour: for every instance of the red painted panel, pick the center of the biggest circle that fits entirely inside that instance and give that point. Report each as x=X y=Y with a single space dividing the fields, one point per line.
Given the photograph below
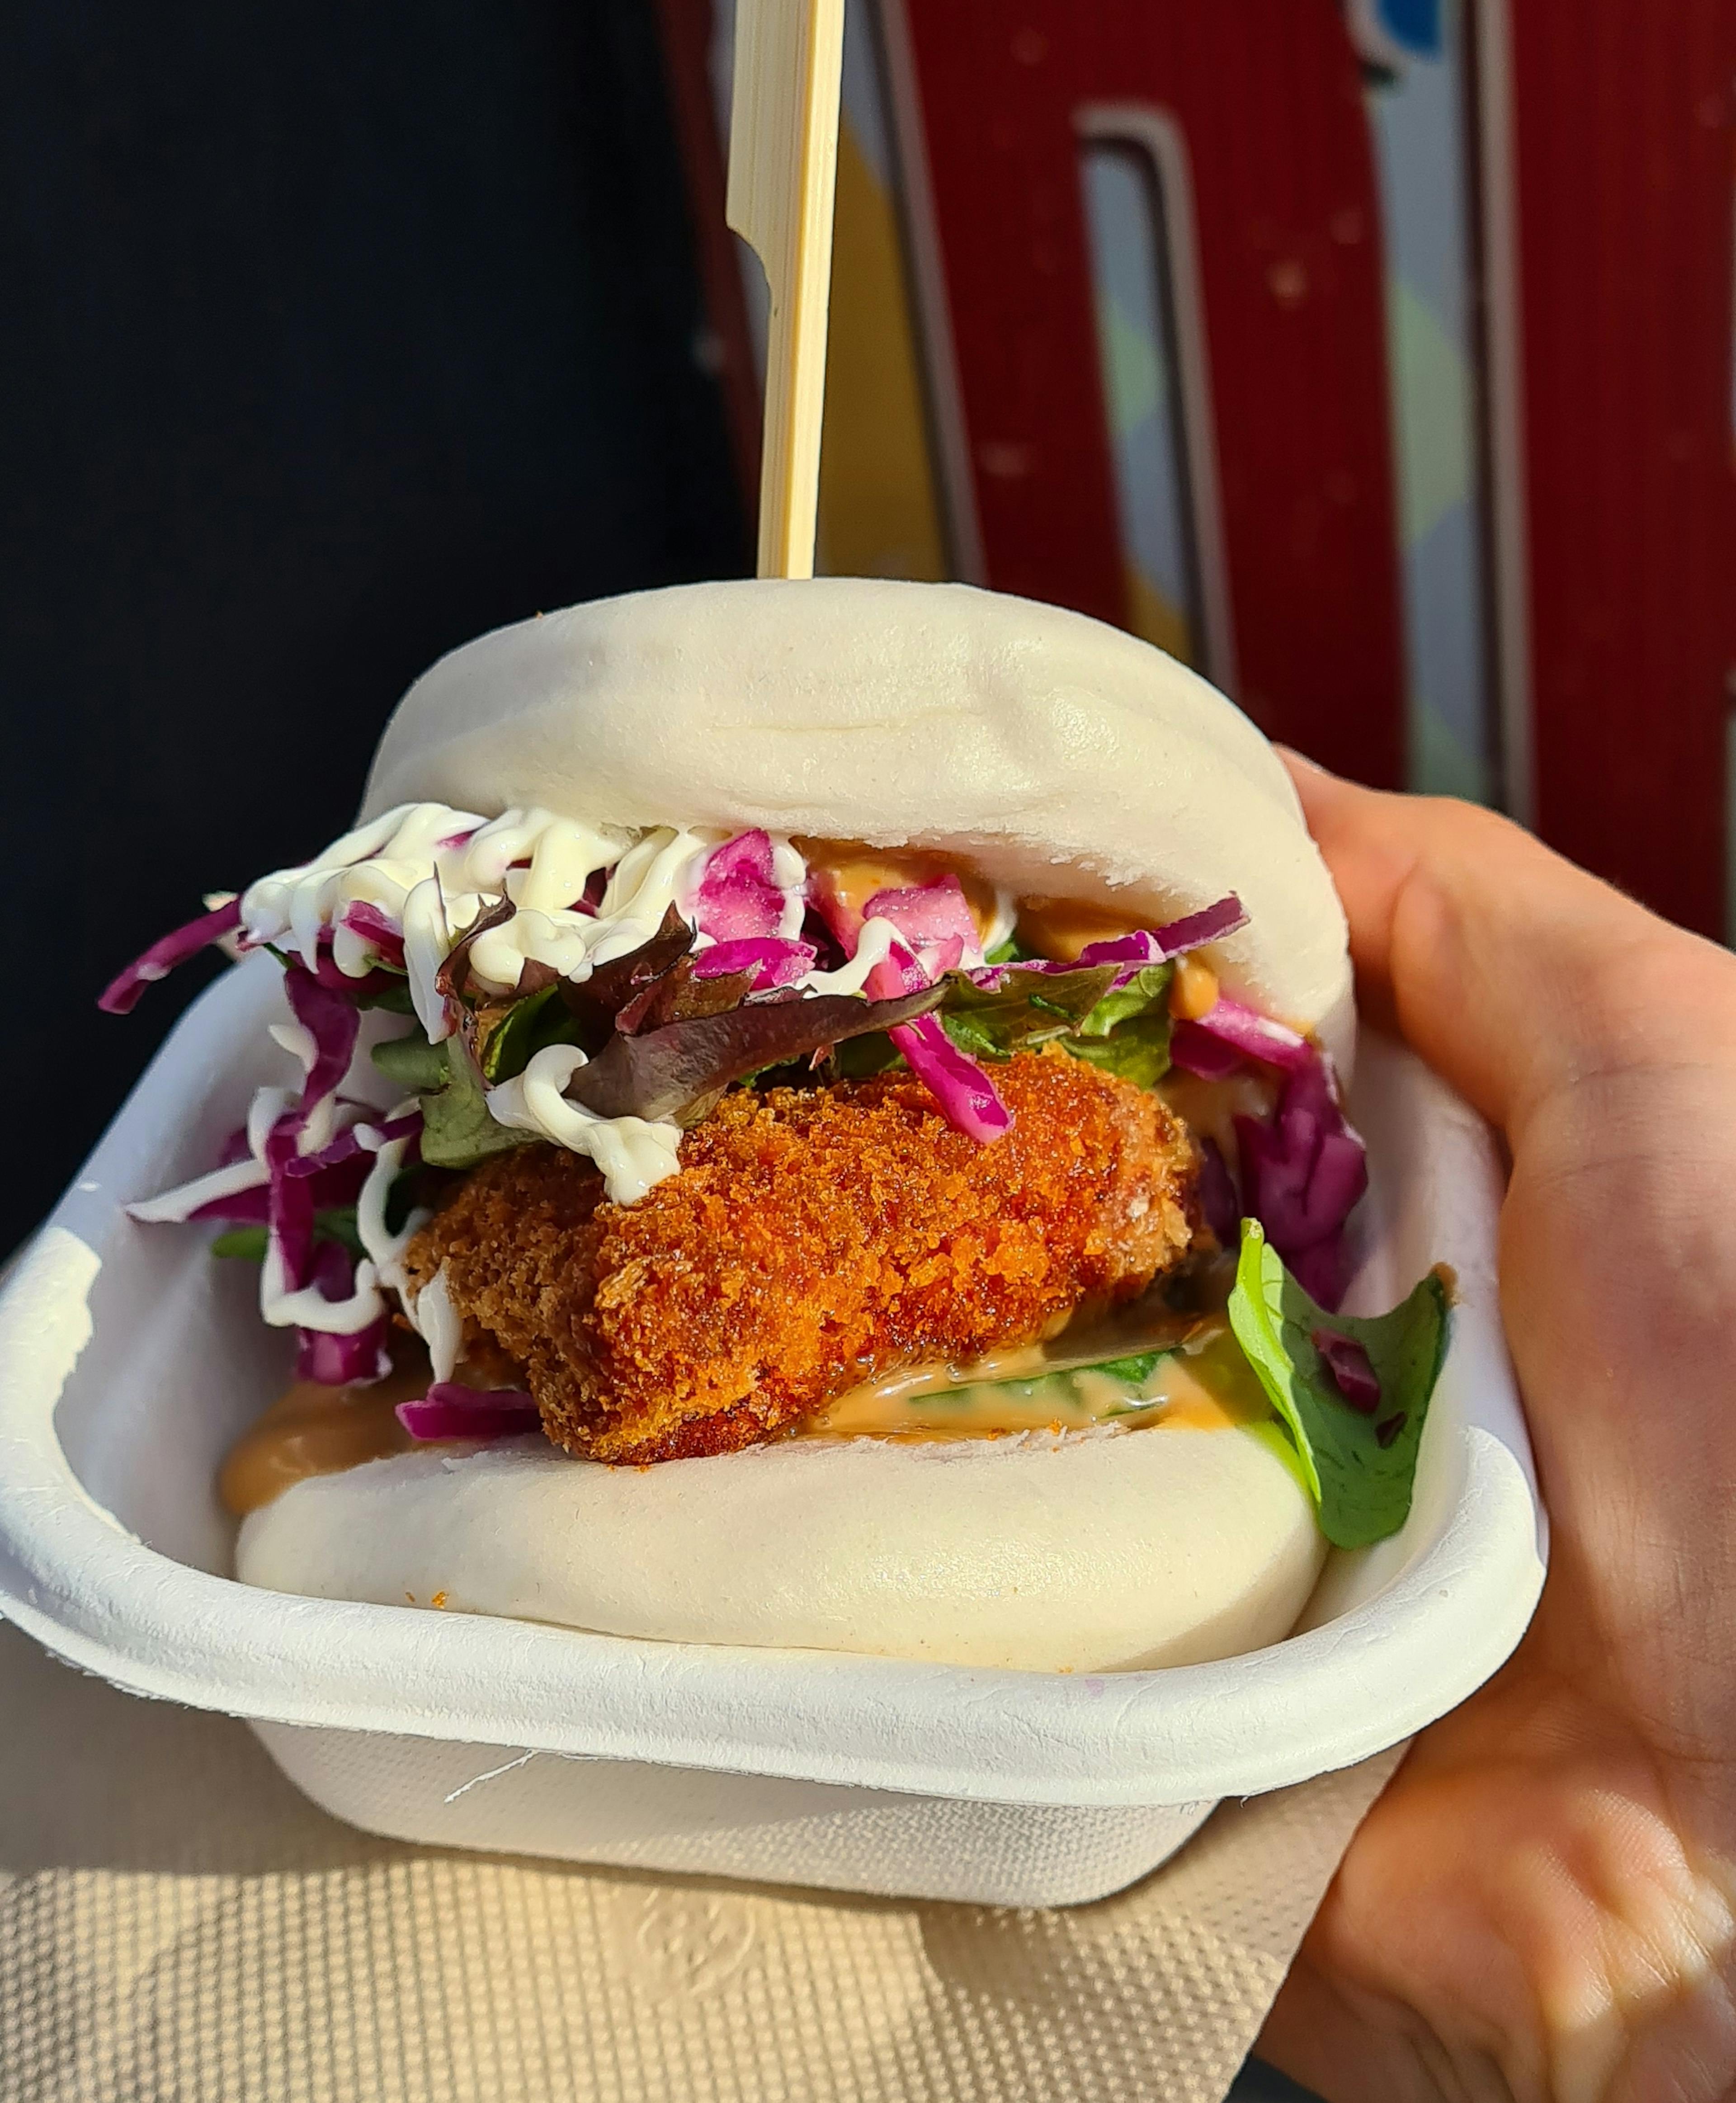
x=1269 y=97
x=1624 y=116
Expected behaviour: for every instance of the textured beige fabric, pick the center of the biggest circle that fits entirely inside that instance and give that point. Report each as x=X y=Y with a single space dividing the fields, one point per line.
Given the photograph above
x=176 y=1922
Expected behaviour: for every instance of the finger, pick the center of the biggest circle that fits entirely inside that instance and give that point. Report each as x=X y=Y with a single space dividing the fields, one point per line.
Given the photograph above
x=1511 y=971
x=1346 y=2054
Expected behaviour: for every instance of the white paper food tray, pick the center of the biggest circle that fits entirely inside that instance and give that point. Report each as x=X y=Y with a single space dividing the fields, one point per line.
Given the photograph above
x=129 y=1361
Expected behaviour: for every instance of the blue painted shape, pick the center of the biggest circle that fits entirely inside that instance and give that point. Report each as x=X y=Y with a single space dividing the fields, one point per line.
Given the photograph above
x=1414 y=24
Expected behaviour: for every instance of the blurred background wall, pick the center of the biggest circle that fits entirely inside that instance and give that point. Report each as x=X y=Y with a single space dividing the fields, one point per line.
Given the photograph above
x=332 y=337
x=1375 y=356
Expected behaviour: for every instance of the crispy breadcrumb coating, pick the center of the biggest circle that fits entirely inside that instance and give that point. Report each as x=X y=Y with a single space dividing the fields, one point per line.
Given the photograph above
x=812 y=1239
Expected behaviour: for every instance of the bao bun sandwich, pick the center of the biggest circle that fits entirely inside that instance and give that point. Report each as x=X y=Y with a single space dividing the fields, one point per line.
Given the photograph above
x=811 y=1117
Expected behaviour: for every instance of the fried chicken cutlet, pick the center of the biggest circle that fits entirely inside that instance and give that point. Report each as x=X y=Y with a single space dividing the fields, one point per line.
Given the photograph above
x=812 y=1240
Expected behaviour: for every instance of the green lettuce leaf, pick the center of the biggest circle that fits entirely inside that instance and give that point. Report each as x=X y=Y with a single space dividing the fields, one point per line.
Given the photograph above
x=336 y=1224
x=411 y=1063
x=1135 y=1370
x=392 y=993
x=1359 y=1468
x=457 y=1131
x=527 y=1027
x=860 y=1058
x=1028 y=1007
x=1124 y=1030
x=1127 y=1033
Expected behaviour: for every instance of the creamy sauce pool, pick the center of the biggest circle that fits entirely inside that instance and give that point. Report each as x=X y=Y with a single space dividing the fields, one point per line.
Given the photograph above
x=1201 y=1382
x=318 y=1430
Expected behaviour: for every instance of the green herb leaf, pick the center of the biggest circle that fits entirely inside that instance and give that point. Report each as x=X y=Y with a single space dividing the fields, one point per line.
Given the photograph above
x=1138 y=1050
x=394 y=998
x=457 y=1131
x=528 y=1026
x=1136 y=1370
x=1148 y=989
x=1124 y=1030
x=859 y=1058
x=336 y=1224
x=1132 y=1371
x=1028 y=1007
x=411 y=1063
x=1360 y=1468
x=1127 y=1033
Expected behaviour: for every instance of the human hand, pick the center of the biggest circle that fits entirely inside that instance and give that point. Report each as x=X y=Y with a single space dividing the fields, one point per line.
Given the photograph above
x=1542 y=1904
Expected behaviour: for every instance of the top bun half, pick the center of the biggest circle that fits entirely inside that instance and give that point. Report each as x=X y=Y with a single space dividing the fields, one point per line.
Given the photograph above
x=1061 y=756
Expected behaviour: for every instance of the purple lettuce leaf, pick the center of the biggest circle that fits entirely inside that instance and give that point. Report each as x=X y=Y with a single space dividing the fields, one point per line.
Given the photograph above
x=669 y=1074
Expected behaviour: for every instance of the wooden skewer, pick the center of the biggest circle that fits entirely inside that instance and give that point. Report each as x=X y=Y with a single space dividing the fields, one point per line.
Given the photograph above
x=783 y=179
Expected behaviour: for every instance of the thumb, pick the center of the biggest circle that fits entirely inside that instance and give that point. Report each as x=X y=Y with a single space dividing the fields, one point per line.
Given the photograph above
x=1512 y=972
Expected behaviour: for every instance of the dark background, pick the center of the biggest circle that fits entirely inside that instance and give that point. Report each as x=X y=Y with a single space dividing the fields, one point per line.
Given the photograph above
x=333 y=336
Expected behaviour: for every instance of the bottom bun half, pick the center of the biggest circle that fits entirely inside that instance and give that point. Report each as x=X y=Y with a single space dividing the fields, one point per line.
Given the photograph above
x=1090 y=1552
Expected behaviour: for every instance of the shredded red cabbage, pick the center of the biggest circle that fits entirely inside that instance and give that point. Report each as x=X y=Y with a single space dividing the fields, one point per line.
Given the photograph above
x=332 y=1189
x=336 y=1172
x=373 y=925
x=356 y=1361
x=967 y=1098
x=235 y=1148
x=332 y=1021
x=341 y=1361
x=1217 y=1199
x=331 y=1018
x=1212 y=924
x=773 y=961
x=1302 y=1171
x=1133 y=953
x=451 y=1411
x=738 y=899
x=370 y=986
x=1302 y=1174
x=1163 y=945
x=932 y=919
x=346 y=1152
x=1197 y=1050
x=122 y=994
x=1255 y=1037
x=1352 y=1371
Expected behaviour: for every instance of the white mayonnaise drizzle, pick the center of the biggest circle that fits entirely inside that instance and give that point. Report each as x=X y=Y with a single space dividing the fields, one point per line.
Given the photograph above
x=437 y=1321
x=425 y=874
x=468 y=862
x=872 y=947
x=386 y=1249
x=185 y=1199
x=632 y=1153
x=429 y=872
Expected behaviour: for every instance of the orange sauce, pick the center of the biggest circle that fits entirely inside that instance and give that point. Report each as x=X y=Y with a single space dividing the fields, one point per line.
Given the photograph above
x=318 y=1430
x=1203 y=1383
x=854 y=872
x=1061 y=928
